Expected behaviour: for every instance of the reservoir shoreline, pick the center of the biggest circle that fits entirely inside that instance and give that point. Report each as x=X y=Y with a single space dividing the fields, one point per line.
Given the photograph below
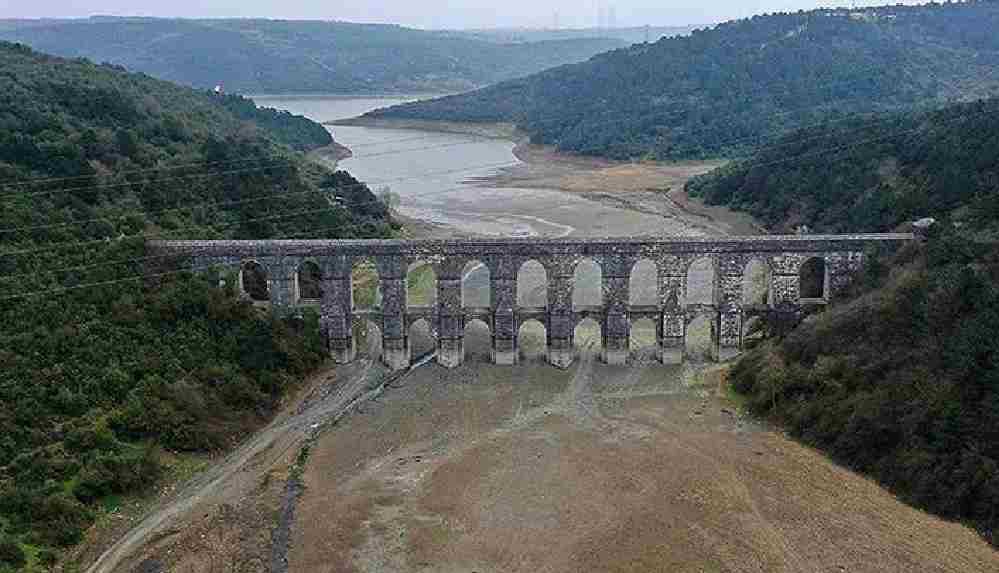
x=650 y=187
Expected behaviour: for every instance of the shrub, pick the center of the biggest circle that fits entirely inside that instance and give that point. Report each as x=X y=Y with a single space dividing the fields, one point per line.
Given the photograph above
x=11 y=553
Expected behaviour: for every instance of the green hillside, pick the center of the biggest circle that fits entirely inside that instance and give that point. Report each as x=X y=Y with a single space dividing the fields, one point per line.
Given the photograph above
x=900 y=379
x=105 y=369
x=870 y=174
x=727 y=90
x=275 y=56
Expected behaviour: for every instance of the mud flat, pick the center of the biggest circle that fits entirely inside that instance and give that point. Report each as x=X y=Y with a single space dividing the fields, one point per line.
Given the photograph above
x=597 y=468
x=490 y=130
x=646 y=187
x=332 y=153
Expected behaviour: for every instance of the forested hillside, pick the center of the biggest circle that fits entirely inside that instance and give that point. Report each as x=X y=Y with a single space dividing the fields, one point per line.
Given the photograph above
x=727 y=90
x=900 y=379
x=105 y=367
x=870 y=174
x=274 y=56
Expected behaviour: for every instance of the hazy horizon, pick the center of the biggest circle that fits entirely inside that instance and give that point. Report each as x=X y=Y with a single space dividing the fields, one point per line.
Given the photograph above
x=442 y=14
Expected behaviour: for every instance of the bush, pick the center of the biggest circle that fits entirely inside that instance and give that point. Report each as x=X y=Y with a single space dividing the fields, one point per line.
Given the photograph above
x=11 y=553
x=901 y=382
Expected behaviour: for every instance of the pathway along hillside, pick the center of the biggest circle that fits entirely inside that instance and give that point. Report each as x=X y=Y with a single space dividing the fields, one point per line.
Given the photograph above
x=528 y=468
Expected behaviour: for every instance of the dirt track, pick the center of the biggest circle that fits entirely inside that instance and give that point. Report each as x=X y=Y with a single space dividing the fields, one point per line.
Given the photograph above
x=236 y=478
x=595 y=469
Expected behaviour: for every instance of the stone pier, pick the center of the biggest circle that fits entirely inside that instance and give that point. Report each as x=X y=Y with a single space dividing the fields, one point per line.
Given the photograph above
x=838 y=256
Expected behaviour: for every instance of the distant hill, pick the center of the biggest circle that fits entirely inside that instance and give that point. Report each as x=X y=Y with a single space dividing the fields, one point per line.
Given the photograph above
x=870 y=174
x=726 y=90
x=109 y=356
x=274 y=56
x=630 y=35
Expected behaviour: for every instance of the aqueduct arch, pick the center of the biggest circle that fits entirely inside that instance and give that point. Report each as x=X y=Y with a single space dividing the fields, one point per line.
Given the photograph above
x=514 y=295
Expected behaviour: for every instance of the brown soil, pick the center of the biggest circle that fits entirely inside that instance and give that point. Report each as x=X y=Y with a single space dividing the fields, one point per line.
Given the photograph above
x=236 y=499
x=646 y=186
x=595 y=469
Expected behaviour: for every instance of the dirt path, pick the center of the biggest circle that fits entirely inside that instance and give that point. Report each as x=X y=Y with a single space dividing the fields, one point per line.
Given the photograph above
x=328 y=395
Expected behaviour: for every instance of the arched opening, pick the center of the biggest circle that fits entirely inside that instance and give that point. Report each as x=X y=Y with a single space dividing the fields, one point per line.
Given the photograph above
x=701 y=282
x=642 y=342
x=310 y=282
x=421 y=284
x=754 y=330
x=365 y=286
x=587 y=285
x=478 y=341
x=367 y=338
x=643 y=285
x=475 y=285
x=421 y=339
x=812 y=278
x=532 y=285
x=532 y=340
x=253 y=281
x=756 y=283
x=587 y=336
x=699 y=339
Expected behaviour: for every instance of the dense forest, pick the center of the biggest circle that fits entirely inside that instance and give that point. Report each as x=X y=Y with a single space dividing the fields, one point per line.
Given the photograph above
x=275 y=56
x=728 y=90
x=900 y=378
x=869 y=174
x=107 y=366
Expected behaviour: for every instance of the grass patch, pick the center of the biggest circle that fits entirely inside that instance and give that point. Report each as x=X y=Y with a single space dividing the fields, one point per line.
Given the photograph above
x=421 y=286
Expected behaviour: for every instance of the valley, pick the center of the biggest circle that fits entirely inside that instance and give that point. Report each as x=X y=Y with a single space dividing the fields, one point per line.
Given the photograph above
x=530 y=468
x=457 y=291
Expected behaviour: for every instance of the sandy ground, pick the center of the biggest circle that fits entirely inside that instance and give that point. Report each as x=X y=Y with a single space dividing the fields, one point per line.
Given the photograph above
x=597 y=468
x=643 y=187
x=647 y=187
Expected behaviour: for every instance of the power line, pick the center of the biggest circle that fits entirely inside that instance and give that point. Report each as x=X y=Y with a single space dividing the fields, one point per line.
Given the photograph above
x=778 y=145
x=36 y=181
x=275 y=165
x=790 y=158
x=52 y=247
x=185 y=270
x=448 y=190
x=359 y=185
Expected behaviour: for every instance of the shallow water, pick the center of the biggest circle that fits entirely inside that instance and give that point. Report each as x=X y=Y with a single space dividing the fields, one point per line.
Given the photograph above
x=432 y=175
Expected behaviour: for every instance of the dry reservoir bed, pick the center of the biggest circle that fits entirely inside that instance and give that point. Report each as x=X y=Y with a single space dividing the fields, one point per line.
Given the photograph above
x=498 y=469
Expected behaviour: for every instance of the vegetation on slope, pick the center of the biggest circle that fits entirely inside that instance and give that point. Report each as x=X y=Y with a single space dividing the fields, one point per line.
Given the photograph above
x=274 y=56
x=869 y=174
x=103 y=367
x=730 y=89
x=900 y=380
x=295 y=131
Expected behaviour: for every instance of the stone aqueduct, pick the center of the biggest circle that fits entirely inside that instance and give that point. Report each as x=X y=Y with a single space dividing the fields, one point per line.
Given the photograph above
x=729 y=257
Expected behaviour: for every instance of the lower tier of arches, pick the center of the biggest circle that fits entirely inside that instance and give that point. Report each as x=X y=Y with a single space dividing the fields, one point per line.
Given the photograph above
x=706 y=335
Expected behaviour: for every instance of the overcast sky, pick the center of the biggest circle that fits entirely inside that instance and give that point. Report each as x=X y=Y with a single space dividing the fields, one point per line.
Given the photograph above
x=434 y=13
